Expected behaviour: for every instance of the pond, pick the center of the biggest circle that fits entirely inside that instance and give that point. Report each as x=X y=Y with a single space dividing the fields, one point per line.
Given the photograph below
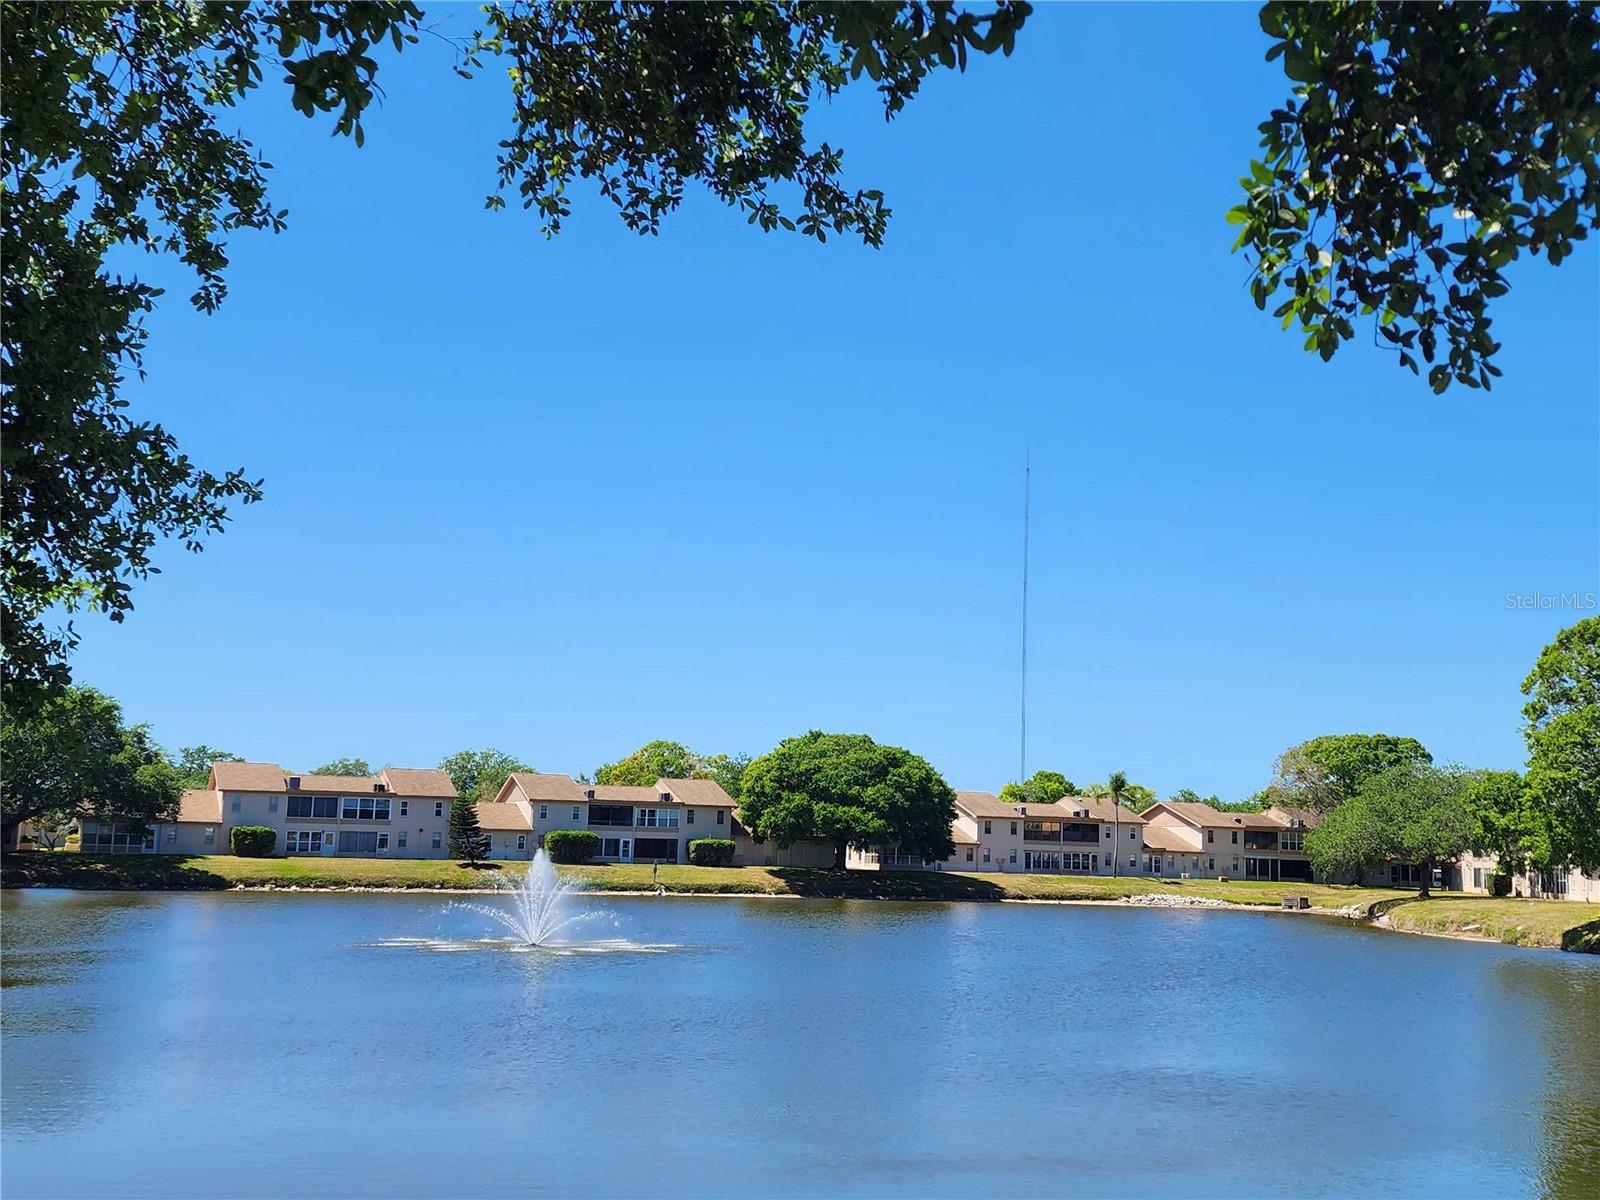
x=172 y=1045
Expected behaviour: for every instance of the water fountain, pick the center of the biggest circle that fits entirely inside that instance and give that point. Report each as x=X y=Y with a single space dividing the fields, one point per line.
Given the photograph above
x=537 y=910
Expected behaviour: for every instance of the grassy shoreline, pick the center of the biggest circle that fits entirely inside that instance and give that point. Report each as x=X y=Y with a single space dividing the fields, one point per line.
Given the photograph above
x=1551 y=924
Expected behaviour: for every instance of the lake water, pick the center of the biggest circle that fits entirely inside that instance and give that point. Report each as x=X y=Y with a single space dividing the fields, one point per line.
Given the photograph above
x=265 y=1045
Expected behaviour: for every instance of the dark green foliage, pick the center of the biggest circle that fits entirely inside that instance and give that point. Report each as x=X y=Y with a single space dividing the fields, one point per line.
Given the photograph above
x=662 y=759
x=571 y=845
x=847 y=789
x=711 y=852
x=344 y=766
x=252 y=841
x=1424 y=149
x=1042 y=787
x=75 y=752
x=194 y=764
x=1563 y=735
x=1328 y=770
x=1410 y=813
x=480 y=774
x=468 y=844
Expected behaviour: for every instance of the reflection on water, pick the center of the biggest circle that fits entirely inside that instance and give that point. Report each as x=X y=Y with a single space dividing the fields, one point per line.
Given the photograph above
x=379 y=1045
x=516 y=946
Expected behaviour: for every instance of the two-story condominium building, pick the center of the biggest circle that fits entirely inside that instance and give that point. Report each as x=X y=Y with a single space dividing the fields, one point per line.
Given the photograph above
x=1075 y=835
x=1196 y=839
x=634 y=824
x=400 y=812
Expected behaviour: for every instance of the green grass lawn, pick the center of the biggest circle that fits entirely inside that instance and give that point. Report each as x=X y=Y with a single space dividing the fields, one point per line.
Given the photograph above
x=1522 y=922
x=1557 y=924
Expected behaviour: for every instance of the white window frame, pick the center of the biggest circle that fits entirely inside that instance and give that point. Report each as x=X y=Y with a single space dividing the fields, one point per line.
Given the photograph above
x=544 y=812
x=522 y=841
x=211 y=835
x=437 y=839
x=438 y=808
x=405 y=807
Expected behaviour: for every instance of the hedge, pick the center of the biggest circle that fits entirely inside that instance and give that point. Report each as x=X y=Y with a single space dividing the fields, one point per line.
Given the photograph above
x=571 y=845
x=252 y=841
x=711 y=852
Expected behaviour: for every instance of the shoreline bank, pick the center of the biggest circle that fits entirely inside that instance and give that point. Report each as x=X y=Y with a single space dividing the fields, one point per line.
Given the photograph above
x=1536 y=924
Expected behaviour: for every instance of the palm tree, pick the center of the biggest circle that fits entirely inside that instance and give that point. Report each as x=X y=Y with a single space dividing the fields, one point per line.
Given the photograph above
x=1116 y=785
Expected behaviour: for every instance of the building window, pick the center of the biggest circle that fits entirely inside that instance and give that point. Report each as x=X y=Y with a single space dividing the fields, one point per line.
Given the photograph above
x=522 y=841
x=1211 y=835
x=402 y=841
x=1013 y=856
x=1211 y=864
x=1477 y=878
x=1236 y=866
x=321 y=808
x=1235 y=837
x=211 y=834
x=1133 y=864
x=272 y=804
x=405 y=807
x=986 y=854
x=438 y=810
x=969 y=853
x=366 y=808
x=721 y=813
x=383 y=841
x=688 y=816
x=303 y=841
x=988 y=827
x=1013 y=834
x=353 y=841
x=234 y=806
x=172 y=836
x=436 y=839
x=544 y=812
x=575 y=813
x=1107 y=828
x=1134 y=832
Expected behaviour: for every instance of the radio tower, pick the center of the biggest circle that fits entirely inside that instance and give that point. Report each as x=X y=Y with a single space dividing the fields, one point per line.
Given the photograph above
x=1027 y=482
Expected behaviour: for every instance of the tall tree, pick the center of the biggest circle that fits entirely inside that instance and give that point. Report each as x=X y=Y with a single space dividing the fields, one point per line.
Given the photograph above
x=1562 y=731
x=118 y=136
x=1501 y=814
x=75 y=753
x=655 y=760
x=1425 y=148
x=194 y=764
x=468 y=843
x=479 y=774
x=1116 y=788
x=1410 y=813
x=345 y=766
x=728 y=770
x=1327 y=770
x=1042 y=787
x=847 y=789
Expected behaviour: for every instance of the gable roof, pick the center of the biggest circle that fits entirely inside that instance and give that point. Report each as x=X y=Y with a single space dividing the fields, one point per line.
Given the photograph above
x=618 y=793
x=201 y=806
x=705 y=793
x=1203 y=816
x=985 y=804
x=536 y=785
x=1172 y=839
x=331 y=783
x=502 y=817
x=247 y=777
x=1100 y=808
x=418 y=781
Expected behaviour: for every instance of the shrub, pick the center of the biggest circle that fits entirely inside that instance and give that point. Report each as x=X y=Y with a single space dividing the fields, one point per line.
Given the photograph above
x=711 y=852
x=252 y=841
x=571 y=845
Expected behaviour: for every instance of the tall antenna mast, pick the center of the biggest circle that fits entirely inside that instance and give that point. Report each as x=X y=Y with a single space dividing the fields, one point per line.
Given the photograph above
x=1027 y=485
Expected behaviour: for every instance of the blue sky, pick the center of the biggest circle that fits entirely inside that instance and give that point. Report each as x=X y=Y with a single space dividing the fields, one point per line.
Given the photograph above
x=561 y=497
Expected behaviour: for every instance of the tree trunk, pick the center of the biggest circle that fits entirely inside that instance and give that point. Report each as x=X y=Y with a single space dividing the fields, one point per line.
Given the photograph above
x=838 y=855
x=1425 y=873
